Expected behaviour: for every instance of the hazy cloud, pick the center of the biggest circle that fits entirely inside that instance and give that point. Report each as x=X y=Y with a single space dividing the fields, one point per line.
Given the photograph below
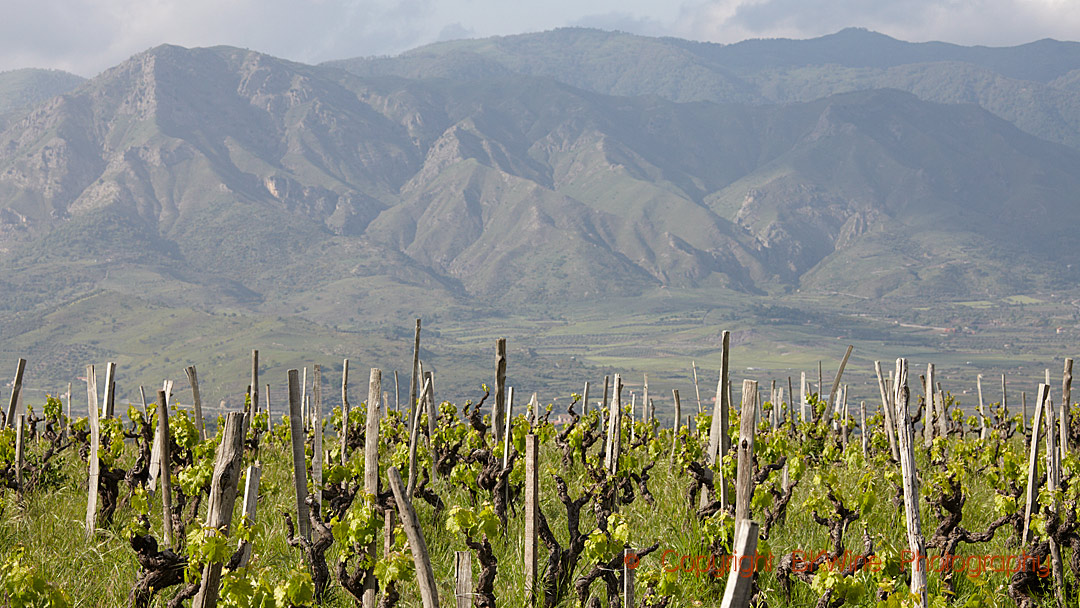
x=87 y=36
x=988 y=22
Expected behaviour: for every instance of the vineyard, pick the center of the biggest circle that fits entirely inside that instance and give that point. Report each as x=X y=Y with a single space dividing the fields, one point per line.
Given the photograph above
x=796 y=498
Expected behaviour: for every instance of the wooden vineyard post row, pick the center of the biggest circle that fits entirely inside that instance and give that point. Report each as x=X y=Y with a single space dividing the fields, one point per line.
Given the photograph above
x=463 y=585
x=16 y=388
x=165 y=469
x=532 y=513
x=371 y=467
x=500 y=388
x=95 y=442
x=223 y=489
x=1033 y=463
x=424 y=575
x=916 y=544
x=296 y=431
x=196 y=398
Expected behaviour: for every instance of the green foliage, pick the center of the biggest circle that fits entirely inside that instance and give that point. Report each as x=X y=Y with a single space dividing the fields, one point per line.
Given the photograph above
x=22 y=587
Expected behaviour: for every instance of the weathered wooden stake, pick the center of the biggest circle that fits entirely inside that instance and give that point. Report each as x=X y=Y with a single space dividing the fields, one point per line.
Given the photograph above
x=887 y=406
x=532 y=513
x=371 y=467
x=628 y=578
x=345 y=411
x=317 y=426
x=676 y=423
x=20 y=423
x=740 y=582
x=697 y=392
x=413 y=436
x=804 y=403
x=499 y=407
x=223 y=491
x=983 y=434
x=916 y=544
x=839 y=374
x=1032 y=493
x=193 y=379
x=251 y=502
x=254 y=390
x=718 y=432
x=862 y=428
x=585 y=400
x=463 y=585
x=928 y=403
x=424 y=575
x=109 y=407
x=614 y=435
x=16 y=388
x=507 y=427
x=415 y=377
x=745 y=452
x=164 y=473
x=1053 y=480
x=95 y=442
x=1066 y=398
x=296 y=431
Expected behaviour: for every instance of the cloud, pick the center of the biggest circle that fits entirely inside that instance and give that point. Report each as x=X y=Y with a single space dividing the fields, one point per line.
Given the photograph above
x=988 y=22
x=87 y=36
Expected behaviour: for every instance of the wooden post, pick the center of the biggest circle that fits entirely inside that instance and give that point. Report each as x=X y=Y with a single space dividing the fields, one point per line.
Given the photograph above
x=916 y=544
x=887 y=406
x=1053 y=480
x=1004 y=399
x=740 y=582
x=305 y=403
x=804 y=403
x=296 y=430
x=67 y=423
x=532 y=512
x=1023 y=412
x=424 y=576
x=415 y=377
x=614 y=435
x=943 y=414
x=839 y=374
x=16 y=388
x=413 y=440
x=196 y=398
x=463 y=585
x=697 y=392
x=317 y=427
x=676 y=423
x=95 y=443
x=628 y=578
x=432 y=412
x=110 y=390
x=1033 y=464
x=508 y=427
x=718 y=432
x=844 y=416
x=254 y=389
x=928 y=392
x=862 y=428
x=745 y=452
x=982 y=412
x=646 y=407
x=397 y=393
x=269 y=413
x=20 y=422
x=165 y=471
x=251 y=501
x=222 y=499
x=345 y=411
x=500 y=387
x=371 y=467
x=585 y=400
x=1066 y=398
x=388 y=531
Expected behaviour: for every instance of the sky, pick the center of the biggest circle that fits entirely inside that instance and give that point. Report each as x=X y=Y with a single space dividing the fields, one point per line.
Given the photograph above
x=88 y=36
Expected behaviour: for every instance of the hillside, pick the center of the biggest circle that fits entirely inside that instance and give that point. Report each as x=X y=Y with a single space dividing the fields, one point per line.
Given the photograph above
x=1028 y=85
x=227 y=198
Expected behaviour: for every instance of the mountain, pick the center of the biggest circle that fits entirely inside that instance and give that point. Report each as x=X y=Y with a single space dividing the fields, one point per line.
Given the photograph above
x=20 y=89
x=1031 y=85
x=155 y=203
